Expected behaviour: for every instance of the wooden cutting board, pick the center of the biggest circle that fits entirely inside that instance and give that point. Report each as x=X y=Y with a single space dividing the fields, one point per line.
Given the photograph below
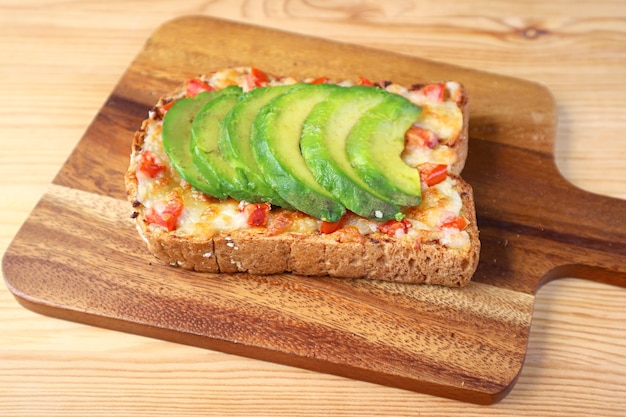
x=78 y=256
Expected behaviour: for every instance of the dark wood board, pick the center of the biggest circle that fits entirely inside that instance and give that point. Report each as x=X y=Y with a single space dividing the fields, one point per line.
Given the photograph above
x=78 y=256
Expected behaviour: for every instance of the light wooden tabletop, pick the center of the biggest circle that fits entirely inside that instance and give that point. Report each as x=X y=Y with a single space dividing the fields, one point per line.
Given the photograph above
x=59 y=63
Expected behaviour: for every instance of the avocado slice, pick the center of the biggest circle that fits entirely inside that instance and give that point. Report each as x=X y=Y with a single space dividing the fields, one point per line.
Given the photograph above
x=275 y=143
x=234 y=140
x=374 y=147
x=176 y=135
x=204 y=149
x=323 y=143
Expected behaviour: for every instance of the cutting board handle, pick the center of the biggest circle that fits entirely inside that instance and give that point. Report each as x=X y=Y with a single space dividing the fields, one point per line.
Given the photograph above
x=591 y=236
x=535 y=225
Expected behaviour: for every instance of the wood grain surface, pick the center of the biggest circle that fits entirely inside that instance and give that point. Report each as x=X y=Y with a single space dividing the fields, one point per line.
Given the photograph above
x=566 y=354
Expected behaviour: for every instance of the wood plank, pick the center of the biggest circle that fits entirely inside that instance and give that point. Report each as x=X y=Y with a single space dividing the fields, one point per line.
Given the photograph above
x=467 y=344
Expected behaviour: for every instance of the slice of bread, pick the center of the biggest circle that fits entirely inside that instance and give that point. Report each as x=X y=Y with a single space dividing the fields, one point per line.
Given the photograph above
x=436 y=243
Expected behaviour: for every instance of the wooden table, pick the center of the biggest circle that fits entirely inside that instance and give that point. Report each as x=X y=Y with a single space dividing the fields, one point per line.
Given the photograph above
x=60 y=61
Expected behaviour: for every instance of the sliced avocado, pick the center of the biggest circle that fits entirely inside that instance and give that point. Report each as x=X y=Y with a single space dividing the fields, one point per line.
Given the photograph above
x=323 y=145
x=374 y=147
x=275 y=143
x=204 y=149
x=177 y=137
x=234 y=139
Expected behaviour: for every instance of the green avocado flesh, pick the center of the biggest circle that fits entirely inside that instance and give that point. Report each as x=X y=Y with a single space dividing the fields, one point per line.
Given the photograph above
x=322 y=149
x=234 y=140
x=275 y=142
x=177 y=137
x=323 y=145
x=204 y=148
x=374 y=147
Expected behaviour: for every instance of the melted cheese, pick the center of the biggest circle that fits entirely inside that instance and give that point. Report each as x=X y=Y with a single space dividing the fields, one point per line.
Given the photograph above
x=445 y=119
x=415 y=156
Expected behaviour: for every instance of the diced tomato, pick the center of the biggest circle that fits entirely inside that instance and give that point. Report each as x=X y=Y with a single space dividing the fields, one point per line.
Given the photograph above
x=459 y=223
x=319 y=80
x=150 y=165
x=434 y=92
x=365 y=81
x=196 y=86
x=419 y=137
x=256 y=78
x=330 y=227
x=166 y=213
x=391 y=227
x=433 y=174
x=257 y=214
x=165 y=107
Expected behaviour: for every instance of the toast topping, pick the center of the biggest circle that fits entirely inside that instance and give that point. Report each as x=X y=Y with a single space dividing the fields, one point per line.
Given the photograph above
x=180 y=197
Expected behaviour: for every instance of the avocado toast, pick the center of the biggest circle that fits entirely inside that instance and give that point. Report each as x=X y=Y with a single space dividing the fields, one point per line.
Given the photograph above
x=243 y=171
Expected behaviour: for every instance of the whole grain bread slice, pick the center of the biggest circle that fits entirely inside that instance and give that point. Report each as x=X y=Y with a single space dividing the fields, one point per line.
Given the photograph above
x=348 y=255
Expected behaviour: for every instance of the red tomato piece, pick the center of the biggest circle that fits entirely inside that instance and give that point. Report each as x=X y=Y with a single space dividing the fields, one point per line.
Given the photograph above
x=167 y=213
x=365 y=81
x=319 y=80
x=330 y=227
x=419 y=137
x=150 y=165
x=391 y=227
x=165 y=107
x=434 y=92
x=257 y=214
x=459 y=223
x=433 y=174
x=256 y=78
x=196 y=86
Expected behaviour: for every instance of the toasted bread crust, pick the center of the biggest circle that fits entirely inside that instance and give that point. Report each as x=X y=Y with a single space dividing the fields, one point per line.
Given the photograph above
x=254 y=251
x=461 y=146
